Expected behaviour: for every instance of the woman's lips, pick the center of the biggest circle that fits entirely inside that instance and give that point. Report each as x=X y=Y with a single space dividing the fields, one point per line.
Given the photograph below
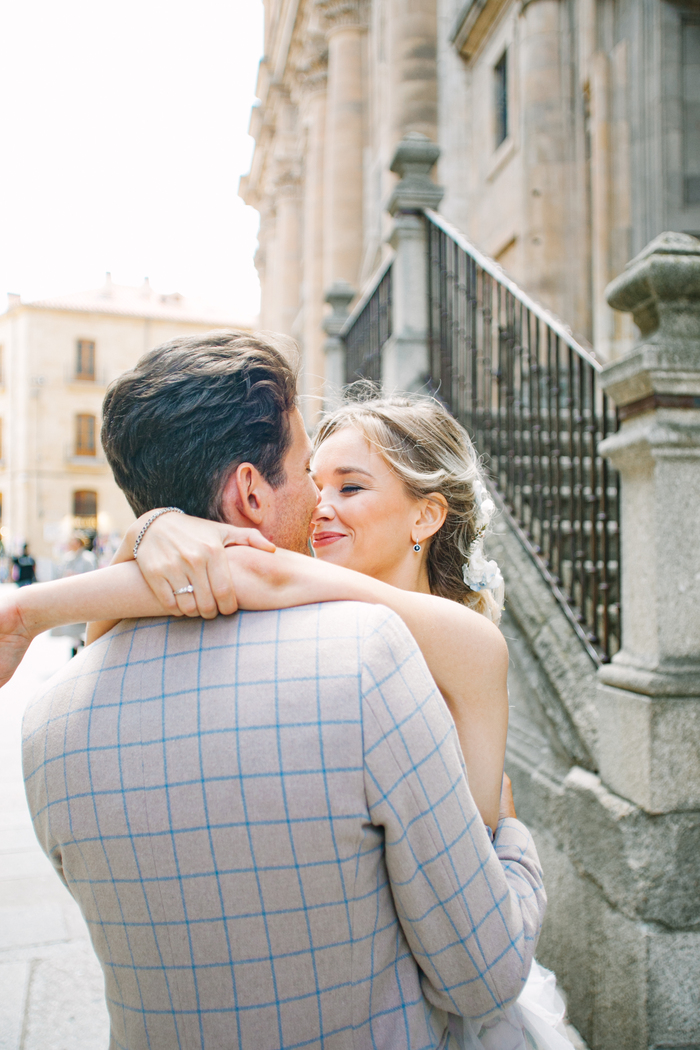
x=324 y=539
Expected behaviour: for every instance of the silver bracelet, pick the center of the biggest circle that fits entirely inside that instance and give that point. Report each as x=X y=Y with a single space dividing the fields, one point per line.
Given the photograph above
x=149 y=521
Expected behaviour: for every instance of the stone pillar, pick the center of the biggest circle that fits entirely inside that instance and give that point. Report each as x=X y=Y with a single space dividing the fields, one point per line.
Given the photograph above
x=288 y=248
x=652 y=687
x=405 y=360
x=339 y=296
x=261 y=267
x=610 y=200
x=312 y=77
x=649 y=696
x=269 y=273
x=343 y=142
x=343 y=168
x=544 y=154
x=600 y=146
x=412 y=32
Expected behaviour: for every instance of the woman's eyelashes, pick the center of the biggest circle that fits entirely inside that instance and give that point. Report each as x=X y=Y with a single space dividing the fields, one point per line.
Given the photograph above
x=348 y=490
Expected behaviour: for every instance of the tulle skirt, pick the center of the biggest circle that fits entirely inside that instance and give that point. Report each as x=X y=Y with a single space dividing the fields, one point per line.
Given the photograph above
x=534 y=1022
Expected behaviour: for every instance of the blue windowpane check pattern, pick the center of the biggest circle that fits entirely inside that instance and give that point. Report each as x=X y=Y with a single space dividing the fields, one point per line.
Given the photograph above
x=266 y=824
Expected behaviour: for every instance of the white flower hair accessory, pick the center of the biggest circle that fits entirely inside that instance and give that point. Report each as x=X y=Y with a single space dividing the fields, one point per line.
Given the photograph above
x=478 y=573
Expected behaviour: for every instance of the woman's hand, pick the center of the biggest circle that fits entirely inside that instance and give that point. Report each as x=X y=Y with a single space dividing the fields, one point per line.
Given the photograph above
x=507 y=806
x=179 y=551
x=15 y=637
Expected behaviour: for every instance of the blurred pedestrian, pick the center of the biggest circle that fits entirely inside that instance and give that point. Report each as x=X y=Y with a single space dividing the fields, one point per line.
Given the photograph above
x=78 y=559
x=24 y=568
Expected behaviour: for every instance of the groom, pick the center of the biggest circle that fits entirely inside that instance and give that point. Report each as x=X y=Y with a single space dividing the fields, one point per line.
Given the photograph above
x=264 y=818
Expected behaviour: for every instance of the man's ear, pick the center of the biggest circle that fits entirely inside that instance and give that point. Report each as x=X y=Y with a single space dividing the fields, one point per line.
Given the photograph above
x=431 y=515
x=245 y=499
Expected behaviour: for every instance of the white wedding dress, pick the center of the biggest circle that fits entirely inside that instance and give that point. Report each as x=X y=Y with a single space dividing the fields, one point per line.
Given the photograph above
x=534 y=1022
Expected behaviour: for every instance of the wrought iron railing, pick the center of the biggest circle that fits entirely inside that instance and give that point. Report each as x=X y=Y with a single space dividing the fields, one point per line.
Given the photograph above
x=530 y=395
x=367 y=329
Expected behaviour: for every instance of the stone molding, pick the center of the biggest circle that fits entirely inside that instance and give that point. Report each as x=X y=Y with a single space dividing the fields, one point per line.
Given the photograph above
x=413 y=160
x=660 y=287
x=664 y=681
x=339 y=14
x=312 y=66
x=339 y=296
x=287 y=182
x=656 y=400
x=473 y=24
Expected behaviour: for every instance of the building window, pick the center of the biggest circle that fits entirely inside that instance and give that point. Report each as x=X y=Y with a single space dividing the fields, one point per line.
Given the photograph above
x=85 y=509
x=85 y=435
x=691 y=110
x=85 y=359
x=500 y=78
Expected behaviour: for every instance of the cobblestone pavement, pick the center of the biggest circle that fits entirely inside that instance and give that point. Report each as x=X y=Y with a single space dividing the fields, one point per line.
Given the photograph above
x=51 y=988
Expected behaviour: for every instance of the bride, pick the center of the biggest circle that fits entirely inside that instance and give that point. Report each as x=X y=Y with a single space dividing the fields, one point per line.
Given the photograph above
x=400 y=521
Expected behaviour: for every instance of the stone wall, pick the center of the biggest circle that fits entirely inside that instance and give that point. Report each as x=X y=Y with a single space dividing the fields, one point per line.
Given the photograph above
x=622 y=930
x=606 y=763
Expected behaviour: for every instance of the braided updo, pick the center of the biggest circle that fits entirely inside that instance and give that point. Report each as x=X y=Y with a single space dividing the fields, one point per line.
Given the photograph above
x=428 y=450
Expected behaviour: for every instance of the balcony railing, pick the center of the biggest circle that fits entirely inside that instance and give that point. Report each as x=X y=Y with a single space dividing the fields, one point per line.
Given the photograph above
x=367 y=329
x=530 y=396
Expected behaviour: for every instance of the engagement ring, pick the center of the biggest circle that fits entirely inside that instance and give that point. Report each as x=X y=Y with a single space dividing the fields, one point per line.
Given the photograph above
x=189 y=589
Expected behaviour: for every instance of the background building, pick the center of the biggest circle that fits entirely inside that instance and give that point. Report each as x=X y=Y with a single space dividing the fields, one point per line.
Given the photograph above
x=58 y=357
x=567 y=140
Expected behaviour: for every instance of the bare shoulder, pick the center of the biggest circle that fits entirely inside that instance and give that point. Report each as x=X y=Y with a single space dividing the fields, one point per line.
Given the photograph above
x=475 y=645
x=491 y=643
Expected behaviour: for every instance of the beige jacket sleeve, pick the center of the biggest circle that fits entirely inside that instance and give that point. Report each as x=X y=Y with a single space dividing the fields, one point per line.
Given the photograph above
x=471 y=911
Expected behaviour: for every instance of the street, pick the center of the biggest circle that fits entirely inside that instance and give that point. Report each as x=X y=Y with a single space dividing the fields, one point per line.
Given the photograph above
x=51 y=989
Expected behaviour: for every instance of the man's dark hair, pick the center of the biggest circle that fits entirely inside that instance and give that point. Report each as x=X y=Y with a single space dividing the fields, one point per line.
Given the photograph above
x=176 y=426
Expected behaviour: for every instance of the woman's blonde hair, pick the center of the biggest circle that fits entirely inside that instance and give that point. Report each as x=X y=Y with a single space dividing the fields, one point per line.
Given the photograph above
x=429 y=452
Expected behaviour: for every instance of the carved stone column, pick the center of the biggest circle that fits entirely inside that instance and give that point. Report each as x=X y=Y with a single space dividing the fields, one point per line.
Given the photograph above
x=341 y=20
x=262 y=260
x=312 y=77
x=288 y=248
x=544 y=153
x=405 y=360
x=412 y=43
x=339 y=296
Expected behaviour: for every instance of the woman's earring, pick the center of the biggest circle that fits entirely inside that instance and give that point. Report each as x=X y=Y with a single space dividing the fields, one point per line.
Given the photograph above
x=417 y=548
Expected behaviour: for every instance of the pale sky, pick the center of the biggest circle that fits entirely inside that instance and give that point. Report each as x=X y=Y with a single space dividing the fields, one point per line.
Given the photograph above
x=124 y=133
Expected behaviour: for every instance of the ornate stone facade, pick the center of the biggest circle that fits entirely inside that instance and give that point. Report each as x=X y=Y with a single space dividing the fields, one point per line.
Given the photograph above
x=338 y=13
x=566 y=137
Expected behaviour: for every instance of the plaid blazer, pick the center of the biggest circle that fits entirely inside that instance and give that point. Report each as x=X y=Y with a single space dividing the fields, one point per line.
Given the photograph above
x=266 y=824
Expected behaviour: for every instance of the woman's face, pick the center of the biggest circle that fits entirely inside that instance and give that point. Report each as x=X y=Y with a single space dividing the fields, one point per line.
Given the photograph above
x=365 y=519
